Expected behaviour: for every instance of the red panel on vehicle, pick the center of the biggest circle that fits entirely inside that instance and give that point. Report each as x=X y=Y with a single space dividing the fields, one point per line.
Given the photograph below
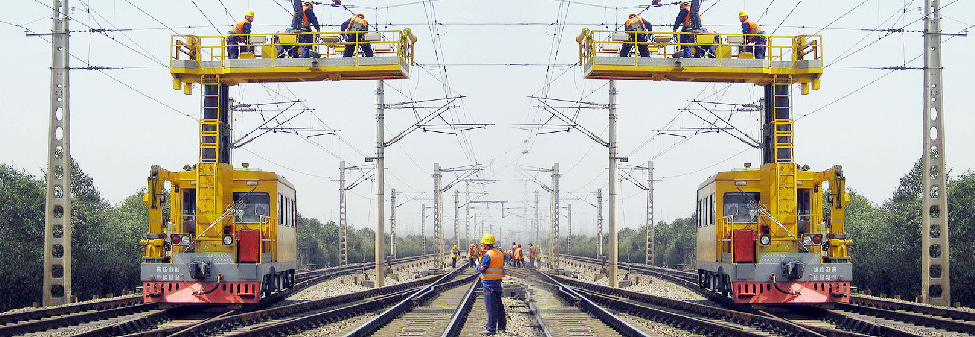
x=249 y=246
x=744 y=243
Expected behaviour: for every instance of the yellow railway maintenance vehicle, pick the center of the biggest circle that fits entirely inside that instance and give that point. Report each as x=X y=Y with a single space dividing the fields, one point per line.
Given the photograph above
x=229 y=236
x=762 y=236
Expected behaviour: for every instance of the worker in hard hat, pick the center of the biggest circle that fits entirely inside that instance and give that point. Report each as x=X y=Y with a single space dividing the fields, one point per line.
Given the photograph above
x=635 y=23
x=689 y=22
x=355 y=28
x=532 y=254
x=749 y=26
x=302 y=22
x=453 y=256
x=240 y=34
x=492 y=271
x=519 y=257
x=471 y=255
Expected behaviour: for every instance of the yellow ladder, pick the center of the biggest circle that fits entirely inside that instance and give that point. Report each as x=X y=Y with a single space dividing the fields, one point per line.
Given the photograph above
x=785 y=167
x=207 y=169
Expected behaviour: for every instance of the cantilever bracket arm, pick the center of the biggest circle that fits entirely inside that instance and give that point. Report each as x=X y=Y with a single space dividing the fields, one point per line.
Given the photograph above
x=565 y=119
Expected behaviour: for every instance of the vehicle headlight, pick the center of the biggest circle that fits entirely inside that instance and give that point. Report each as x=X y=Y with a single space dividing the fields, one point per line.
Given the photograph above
x=765 y=240
x=228 y=240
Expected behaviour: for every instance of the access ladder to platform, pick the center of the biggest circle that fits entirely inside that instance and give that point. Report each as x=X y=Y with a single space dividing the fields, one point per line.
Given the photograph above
x=723 y=57
x=271 y=57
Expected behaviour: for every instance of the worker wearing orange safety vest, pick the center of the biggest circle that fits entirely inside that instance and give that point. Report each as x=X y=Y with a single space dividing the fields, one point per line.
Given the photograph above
x=519 y=257
x=492 y=271
x=302 y=23
x=471 y=254
x=635 y=23
x=749 y=26
x=690 y=22
x=354 y=37
x=532 y=254
x=238 y=35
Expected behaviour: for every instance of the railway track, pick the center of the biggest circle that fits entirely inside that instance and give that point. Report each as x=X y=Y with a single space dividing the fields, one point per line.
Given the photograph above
x=862 y=316
x=128 y=314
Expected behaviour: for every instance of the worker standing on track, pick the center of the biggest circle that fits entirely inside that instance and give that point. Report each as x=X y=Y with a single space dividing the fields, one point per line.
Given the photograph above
x=492 y=271
x=354 y=37
x=532 y=253
x=519 y=257
x=749 y=26
x=635 y=23
x=690 y=22
x=239 y=36
x=471 y=255
x=307 y=20
x=453 y=256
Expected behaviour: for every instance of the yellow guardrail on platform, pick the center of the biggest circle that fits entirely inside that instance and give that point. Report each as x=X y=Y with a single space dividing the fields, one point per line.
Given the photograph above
x=593 y=43
x=275 y=46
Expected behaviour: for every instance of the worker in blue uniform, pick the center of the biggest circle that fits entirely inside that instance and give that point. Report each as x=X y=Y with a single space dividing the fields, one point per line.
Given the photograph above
x=705 y=49
x=749 y=26
x=285 y=50
x=492 y=271
x=635 y=23
x=238 y=35
x=689 y=20
x=304 y=22
x=354 y=37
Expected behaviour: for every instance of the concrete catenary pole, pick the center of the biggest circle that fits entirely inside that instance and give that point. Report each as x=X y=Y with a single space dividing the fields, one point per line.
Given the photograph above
x=467 y=215
x=343 y=217
x=935 y=275
x=457 y=218
x=392 y=223
x=57 y=202
x=423 y=224
x=614 y=249
x=568 y=225
x=651 y=226
x=553 y=234
x=379 y=202
x=438 y=214
x=535 y=225
x=599 y=223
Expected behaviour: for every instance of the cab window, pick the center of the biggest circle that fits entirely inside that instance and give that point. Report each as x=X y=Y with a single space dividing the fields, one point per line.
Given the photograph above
x=250 y=206
x=743 y=206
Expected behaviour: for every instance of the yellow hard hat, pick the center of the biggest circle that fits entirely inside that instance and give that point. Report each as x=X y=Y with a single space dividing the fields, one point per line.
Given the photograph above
x=249 y=13
x=742 y=13
x=487 y=239
x=632 y=15
x=685 y=3
x=361 y=15
x=455 y=246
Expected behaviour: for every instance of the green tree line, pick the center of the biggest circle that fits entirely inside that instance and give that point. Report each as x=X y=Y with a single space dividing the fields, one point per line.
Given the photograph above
x=886 y=251
x=105 y=241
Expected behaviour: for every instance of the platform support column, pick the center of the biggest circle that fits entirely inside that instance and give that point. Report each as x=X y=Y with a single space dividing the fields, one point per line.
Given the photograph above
x=935 y=276
x=57 y=201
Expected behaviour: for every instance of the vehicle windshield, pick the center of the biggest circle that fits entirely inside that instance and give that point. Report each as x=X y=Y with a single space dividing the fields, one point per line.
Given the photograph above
x=743 y=206
x=250 y=206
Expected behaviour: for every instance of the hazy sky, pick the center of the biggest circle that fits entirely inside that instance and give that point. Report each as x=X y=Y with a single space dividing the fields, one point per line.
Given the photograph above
x=496 y=54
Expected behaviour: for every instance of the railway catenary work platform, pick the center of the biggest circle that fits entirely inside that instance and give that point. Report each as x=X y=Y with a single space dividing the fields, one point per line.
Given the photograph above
x=799 y=57
x=194 y=56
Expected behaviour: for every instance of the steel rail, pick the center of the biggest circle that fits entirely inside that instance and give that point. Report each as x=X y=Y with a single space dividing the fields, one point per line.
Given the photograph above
x=40 y=313
x=408 y=303
x=459 y=318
